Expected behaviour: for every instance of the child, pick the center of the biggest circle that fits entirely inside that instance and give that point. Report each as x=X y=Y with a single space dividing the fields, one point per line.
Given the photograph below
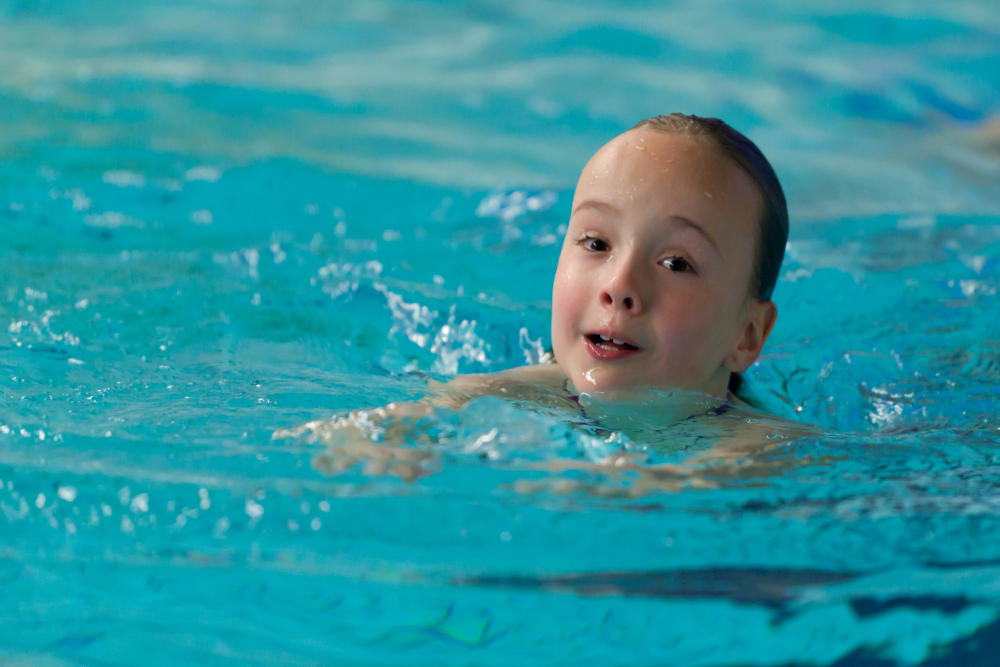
x=677 y=233
x=674 y=242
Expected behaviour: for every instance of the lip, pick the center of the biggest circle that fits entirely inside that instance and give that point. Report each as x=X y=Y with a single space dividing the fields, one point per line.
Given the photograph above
x=608 y=354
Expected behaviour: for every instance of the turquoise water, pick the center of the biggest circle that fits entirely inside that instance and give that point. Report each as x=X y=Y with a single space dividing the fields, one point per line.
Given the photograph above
x=224 y=219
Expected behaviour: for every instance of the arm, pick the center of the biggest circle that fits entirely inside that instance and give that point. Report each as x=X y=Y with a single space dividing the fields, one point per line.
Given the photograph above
x=377 y=437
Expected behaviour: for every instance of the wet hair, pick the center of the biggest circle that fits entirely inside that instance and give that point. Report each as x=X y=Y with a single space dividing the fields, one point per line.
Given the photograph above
x=773 y=222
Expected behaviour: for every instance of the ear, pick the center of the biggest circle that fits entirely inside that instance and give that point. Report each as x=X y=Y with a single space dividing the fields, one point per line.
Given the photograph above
x=760 y=320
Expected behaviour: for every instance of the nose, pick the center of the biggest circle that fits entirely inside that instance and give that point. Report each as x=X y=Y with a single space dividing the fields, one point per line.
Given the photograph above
x=620 y=289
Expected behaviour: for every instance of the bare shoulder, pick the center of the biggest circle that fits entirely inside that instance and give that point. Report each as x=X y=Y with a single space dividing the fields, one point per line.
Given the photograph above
x=753 y=433
x=524 y=383
x=547 y=375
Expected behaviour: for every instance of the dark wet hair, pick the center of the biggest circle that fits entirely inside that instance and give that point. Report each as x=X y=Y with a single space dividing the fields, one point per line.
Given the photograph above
x=773 y=222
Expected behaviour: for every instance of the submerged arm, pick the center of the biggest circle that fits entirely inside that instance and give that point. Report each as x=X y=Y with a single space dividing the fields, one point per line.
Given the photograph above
x=377 y=437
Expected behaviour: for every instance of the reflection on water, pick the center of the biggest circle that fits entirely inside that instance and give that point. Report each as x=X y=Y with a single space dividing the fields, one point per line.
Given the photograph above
x=222 y=220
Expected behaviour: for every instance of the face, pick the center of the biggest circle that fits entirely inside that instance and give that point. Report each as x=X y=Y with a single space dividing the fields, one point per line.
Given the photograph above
x=653 y=283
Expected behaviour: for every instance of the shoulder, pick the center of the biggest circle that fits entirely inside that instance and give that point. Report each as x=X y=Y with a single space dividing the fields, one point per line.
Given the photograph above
x=548 y=375
x=523 y=383
x=746 y=433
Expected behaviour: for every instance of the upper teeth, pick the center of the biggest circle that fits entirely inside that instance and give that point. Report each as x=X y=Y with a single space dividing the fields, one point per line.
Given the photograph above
x=613 y=340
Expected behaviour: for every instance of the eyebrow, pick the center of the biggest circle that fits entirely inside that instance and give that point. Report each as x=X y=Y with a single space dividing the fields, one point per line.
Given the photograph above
x=595 y=204
x=605 y=207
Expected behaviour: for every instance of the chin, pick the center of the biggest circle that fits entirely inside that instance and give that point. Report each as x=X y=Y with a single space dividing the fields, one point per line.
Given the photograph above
x=618 y=387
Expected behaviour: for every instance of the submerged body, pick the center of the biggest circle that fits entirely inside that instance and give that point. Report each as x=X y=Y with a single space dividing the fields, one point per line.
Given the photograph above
x=660 y=297
x=707 y=440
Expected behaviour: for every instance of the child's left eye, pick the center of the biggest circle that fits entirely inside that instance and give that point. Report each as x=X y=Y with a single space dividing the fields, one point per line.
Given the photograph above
x=677 y=264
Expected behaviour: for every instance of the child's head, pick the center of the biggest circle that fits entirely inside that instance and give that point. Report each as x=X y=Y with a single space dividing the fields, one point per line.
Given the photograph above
x=673 y=248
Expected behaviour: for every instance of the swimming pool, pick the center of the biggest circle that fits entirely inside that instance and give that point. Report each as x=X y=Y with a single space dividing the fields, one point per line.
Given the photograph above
x=224 y=219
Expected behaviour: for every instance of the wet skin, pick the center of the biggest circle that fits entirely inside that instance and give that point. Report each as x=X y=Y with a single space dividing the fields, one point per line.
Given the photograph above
x=653 y=287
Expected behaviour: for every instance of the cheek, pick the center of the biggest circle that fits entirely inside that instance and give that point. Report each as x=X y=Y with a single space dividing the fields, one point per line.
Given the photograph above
x=563 y=301
x=692 y=327
x=568 y=299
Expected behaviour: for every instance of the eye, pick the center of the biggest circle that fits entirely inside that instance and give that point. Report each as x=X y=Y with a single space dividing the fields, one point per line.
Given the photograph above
x=678 y=265
x=593 y=244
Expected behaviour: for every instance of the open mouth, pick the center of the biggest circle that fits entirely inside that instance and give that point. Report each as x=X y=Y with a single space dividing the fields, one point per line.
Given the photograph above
x=611 y=344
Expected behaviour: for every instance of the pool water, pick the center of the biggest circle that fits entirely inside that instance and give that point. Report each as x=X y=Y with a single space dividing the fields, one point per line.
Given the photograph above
x=225 y=219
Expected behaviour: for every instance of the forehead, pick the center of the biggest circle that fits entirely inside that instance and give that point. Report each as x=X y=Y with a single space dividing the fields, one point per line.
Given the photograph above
x=667 y=173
